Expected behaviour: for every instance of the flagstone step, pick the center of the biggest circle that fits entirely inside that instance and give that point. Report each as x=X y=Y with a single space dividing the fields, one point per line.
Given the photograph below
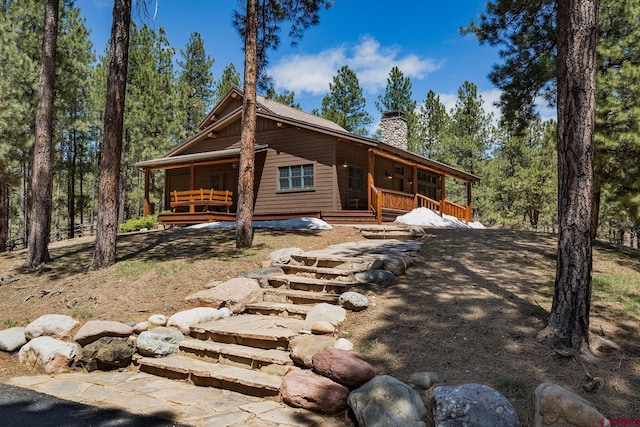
x=296 y=311
x=246 y=381
x=340 y=275
x=298 y=297
x=302 y=283
x=354 y=264
x=253 y=330
x=270 y=361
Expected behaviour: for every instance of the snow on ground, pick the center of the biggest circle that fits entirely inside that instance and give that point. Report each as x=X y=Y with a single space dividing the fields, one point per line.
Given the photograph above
x=428 y=218
x=297 y=223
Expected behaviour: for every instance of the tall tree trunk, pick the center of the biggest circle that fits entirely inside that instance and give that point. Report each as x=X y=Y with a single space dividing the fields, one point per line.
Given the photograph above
x=41 y=176
x=595 y=207
x=71 y=189
x=107 y=226
x=244 y=216
x=22 y=209
x=5 y=206
x=577 y=33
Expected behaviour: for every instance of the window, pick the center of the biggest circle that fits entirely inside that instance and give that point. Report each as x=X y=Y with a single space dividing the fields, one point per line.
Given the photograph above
x=299 y=177
x=216 y=181
x=356 y=178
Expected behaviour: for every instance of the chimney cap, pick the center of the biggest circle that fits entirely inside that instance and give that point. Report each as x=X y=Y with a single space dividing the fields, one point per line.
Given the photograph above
x=393 y=113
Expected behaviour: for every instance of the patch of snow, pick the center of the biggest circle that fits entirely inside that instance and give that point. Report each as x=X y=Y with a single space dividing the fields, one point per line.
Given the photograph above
x=297 y=223
x=428 y=218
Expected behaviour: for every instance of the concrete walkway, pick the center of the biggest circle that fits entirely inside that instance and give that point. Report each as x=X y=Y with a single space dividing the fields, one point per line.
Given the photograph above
x=181 y=402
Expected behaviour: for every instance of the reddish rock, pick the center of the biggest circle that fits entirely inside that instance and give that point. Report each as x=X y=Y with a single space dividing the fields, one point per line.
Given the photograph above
x=343 y=366
x=305 y=389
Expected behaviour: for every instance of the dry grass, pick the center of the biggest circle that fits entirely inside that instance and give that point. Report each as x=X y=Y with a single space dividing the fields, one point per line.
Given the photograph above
x=470 y=307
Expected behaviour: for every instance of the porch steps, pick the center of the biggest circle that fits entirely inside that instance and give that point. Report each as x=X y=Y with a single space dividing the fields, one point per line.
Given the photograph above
x=292 y=296
x=348 y=217
x=301 y=283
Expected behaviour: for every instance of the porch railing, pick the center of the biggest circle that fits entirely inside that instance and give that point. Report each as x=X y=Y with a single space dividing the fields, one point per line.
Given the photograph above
x=425 y=202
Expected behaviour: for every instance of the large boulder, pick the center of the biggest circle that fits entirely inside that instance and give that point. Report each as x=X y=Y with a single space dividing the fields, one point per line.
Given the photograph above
x=49 y=354
x=472 y=404
x=184 y=320
x=344 y=367
x=378 y=277
x=12 y=339
x=159 y=342
x=353 y=301
x=326 y=312
x=395 y=264
x=234 y=294
x=96 y=329
x=304 y=389
x=107 y=353
x=303 y=347
x=386 y=401
x=50 y=325
x=556 y=406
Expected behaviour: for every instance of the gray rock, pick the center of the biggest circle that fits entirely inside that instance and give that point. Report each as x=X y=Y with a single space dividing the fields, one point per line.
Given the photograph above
x=353 y=301
x=472 y=404
x=303 y=347
x=386 y=401
x=225 y=312
x=395 y=264
x=158 y=319
x=233 y=294
x=12 y=339
x=326 y=312
x=379 y=277
x=49 y=354
x=262 y=275
x=160 y=341
x=344 y=367
x=96 y=329
x=106 y=354
x=283 y=256
x=50 y=325
x=424 y=380
x=141 y=327
x=304 y=389
x=343 y=344
x=184 y=320
x=556 y=406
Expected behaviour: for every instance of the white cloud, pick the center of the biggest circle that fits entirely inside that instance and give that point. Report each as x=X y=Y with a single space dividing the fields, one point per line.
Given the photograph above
x=371 y=62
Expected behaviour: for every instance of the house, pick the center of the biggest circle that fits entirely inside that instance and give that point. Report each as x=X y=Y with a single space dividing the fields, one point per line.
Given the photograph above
x=306 y=166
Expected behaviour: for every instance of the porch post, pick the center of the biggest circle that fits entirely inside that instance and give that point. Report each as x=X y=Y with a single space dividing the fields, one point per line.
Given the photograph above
x=469 y=206
x=443 y=194
x=370 y=182
x=147 y=210
x=192 y=184
x=414 y=179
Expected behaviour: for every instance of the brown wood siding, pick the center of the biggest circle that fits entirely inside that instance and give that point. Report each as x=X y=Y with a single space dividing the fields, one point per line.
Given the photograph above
x=290 y=147
x=231 y=106
x=213 y=145
x=176 y=179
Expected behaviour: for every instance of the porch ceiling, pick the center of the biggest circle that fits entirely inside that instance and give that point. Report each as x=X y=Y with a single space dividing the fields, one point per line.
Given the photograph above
x=193 y=159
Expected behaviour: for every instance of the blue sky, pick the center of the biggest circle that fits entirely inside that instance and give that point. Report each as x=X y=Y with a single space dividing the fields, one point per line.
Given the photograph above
x=421 y=37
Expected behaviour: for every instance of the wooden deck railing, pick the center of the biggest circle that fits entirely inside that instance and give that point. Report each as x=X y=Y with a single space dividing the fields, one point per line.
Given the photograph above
x=454 y=209
x=425 y=202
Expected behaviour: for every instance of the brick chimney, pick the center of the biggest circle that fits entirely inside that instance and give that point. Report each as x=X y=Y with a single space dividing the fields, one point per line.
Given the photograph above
x=393 y=129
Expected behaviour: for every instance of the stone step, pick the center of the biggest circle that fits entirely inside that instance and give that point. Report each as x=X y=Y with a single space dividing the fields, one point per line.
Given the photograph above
x=302 y=283
x=268 y=308
x=270 y=361
x=246 y=381
x=292 y=296
x=354 y=264
x=339 y=275
x=254 y=330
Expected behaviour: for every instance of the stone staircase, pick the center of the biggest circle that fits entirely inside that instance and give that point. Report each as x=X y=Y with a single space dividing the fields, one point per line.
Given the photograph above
x=248 y=353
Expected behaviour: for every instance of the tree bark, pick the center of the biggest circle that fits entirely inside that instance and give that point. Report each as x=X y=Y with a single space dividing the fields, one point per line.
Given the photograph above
x=107 y=224
x=5 y=205
x=41 y=173
x=244 y=216
x=577 y=33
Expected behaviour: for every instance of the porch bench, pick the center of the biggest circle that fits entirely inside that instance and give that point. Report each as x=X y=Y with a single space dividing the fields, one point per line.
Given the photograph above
x=201 y=197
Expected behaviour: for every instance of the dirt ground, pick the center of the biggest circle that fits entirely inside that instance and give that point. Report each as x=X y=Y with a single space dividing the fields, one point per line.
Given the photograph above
x=469 y=308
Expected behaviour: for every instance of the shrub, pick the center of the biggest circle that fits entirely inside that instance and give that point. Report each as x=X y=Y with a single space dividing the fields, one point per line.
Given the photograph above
x=137 y=224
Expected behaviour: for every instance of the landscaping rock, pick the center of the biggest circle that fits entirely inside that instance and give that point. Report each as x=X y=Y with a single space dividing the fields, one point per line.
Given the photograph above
x=327 y=312
x=233 y=294
x=141 y=327
x=262 y=275
x=343 y=344
x=424 y=380
x=158 y=319
x=379 y=277
x=386 y=401
x=322 y=327
x=50 y=325
x=557 y=406
x=283 y=256
x=472 y=404
x=96 y=329
x=225 y=312
x=12 y=339
x=304 y=389
x=49 y=354
x=353 y=301
x=303 y=347
x=184 y=320
x=344 y=367
x=395 y=264
x=160 y=341
x=106 y=354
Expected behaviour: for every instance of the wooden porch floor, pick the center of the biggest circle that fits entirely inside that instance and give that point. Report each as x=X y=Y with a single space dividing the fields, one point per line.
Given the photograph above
x=331 y=217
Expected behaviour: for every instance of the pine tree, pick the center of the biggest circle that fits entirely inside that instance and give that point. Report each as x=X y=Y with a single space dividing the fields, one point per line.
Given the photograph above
x=345 y=103
x=229 y=79
x=398 y=96
x=286 y=97
x=431 y=127
x=195 y=82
